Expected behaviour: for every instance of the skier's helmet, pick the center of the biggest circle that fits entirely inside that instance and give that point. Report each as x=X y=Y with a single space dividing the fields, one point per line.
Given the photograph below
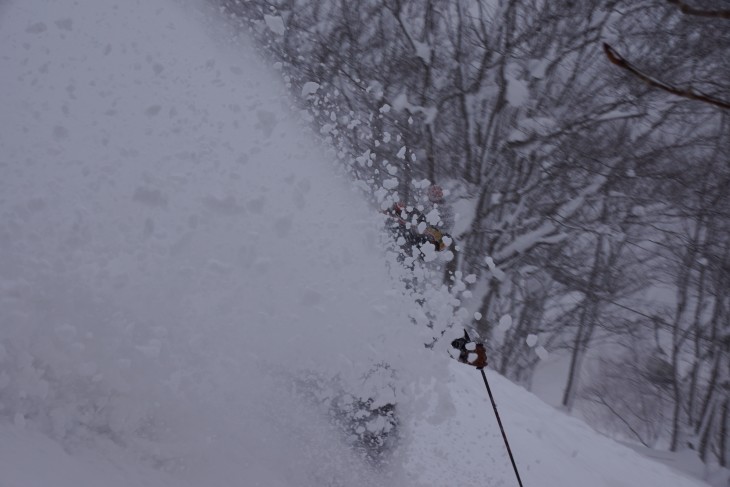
x=435 y=194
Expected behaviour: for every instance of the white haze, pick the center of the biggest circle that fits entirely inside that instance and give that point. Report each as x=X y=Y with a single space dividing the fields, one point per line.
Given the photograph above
x=176 y=250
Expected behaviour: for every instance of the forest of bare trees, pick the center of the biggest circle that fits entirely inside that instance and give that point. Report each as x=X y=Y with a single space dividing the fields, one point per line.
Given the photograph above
x=586 y=147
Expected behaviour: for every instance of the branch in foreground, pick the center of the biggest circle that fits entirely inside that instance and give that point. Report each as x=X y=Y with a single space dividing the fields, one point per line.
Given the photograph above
x=621 y=62
x=687 y=10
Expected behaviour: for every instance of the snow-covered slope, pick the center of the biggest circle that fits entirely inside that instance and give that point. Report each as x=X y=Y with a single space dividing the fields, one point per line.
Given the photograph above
x=178 y=254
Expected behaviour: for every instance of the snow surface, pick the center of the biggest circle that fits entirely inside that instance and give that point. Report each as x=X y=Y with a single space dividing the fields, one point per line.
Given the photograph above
x=178 y=254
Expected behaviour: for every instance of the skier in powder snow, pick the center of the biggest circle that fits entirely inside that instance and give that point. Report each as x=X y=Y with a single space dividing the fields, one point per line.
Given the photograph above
x=470 y=352
x=412 y=228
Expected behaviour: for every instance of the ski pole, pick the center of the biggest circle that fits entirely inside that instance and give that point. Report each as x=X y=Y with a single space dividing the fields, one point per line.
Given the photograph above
x=499 y=421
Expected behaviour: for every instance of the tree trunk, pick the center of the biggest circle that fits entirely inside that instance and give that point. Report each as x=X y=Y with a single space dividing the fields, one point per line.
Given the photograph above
x=723 y=454
x=585 y=328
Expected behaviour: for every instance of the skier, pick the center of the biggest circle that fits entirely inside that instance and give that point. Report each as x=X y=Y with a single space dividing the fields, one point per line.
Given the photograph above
x=470 y=352
x=412 y=228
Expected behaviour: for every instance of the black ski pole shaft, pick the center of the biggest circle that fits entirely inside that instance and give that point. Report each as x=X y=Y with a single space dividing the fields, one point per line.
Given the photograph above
x=501 y=428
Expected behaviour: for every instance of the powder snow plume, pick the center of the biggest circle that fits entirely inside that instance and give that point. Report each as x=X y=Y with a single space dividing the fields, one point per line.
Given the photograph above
x=178 y=254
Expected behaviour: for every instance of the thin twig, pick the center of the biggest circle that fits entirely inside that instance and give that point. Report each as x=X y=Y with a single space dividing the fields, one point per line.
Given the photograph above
x=621 y=62
x=687 y=10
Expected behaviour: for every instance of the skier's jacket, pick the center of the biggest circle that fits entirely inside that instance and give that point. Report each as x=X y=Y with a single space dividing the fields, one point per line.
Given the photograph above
x=406 y=222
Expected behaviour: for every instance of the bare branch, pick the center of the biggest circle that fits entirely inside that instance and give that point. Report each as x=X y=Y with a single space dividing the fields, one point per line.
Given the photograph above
x=687 y=10
x=621 y=62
